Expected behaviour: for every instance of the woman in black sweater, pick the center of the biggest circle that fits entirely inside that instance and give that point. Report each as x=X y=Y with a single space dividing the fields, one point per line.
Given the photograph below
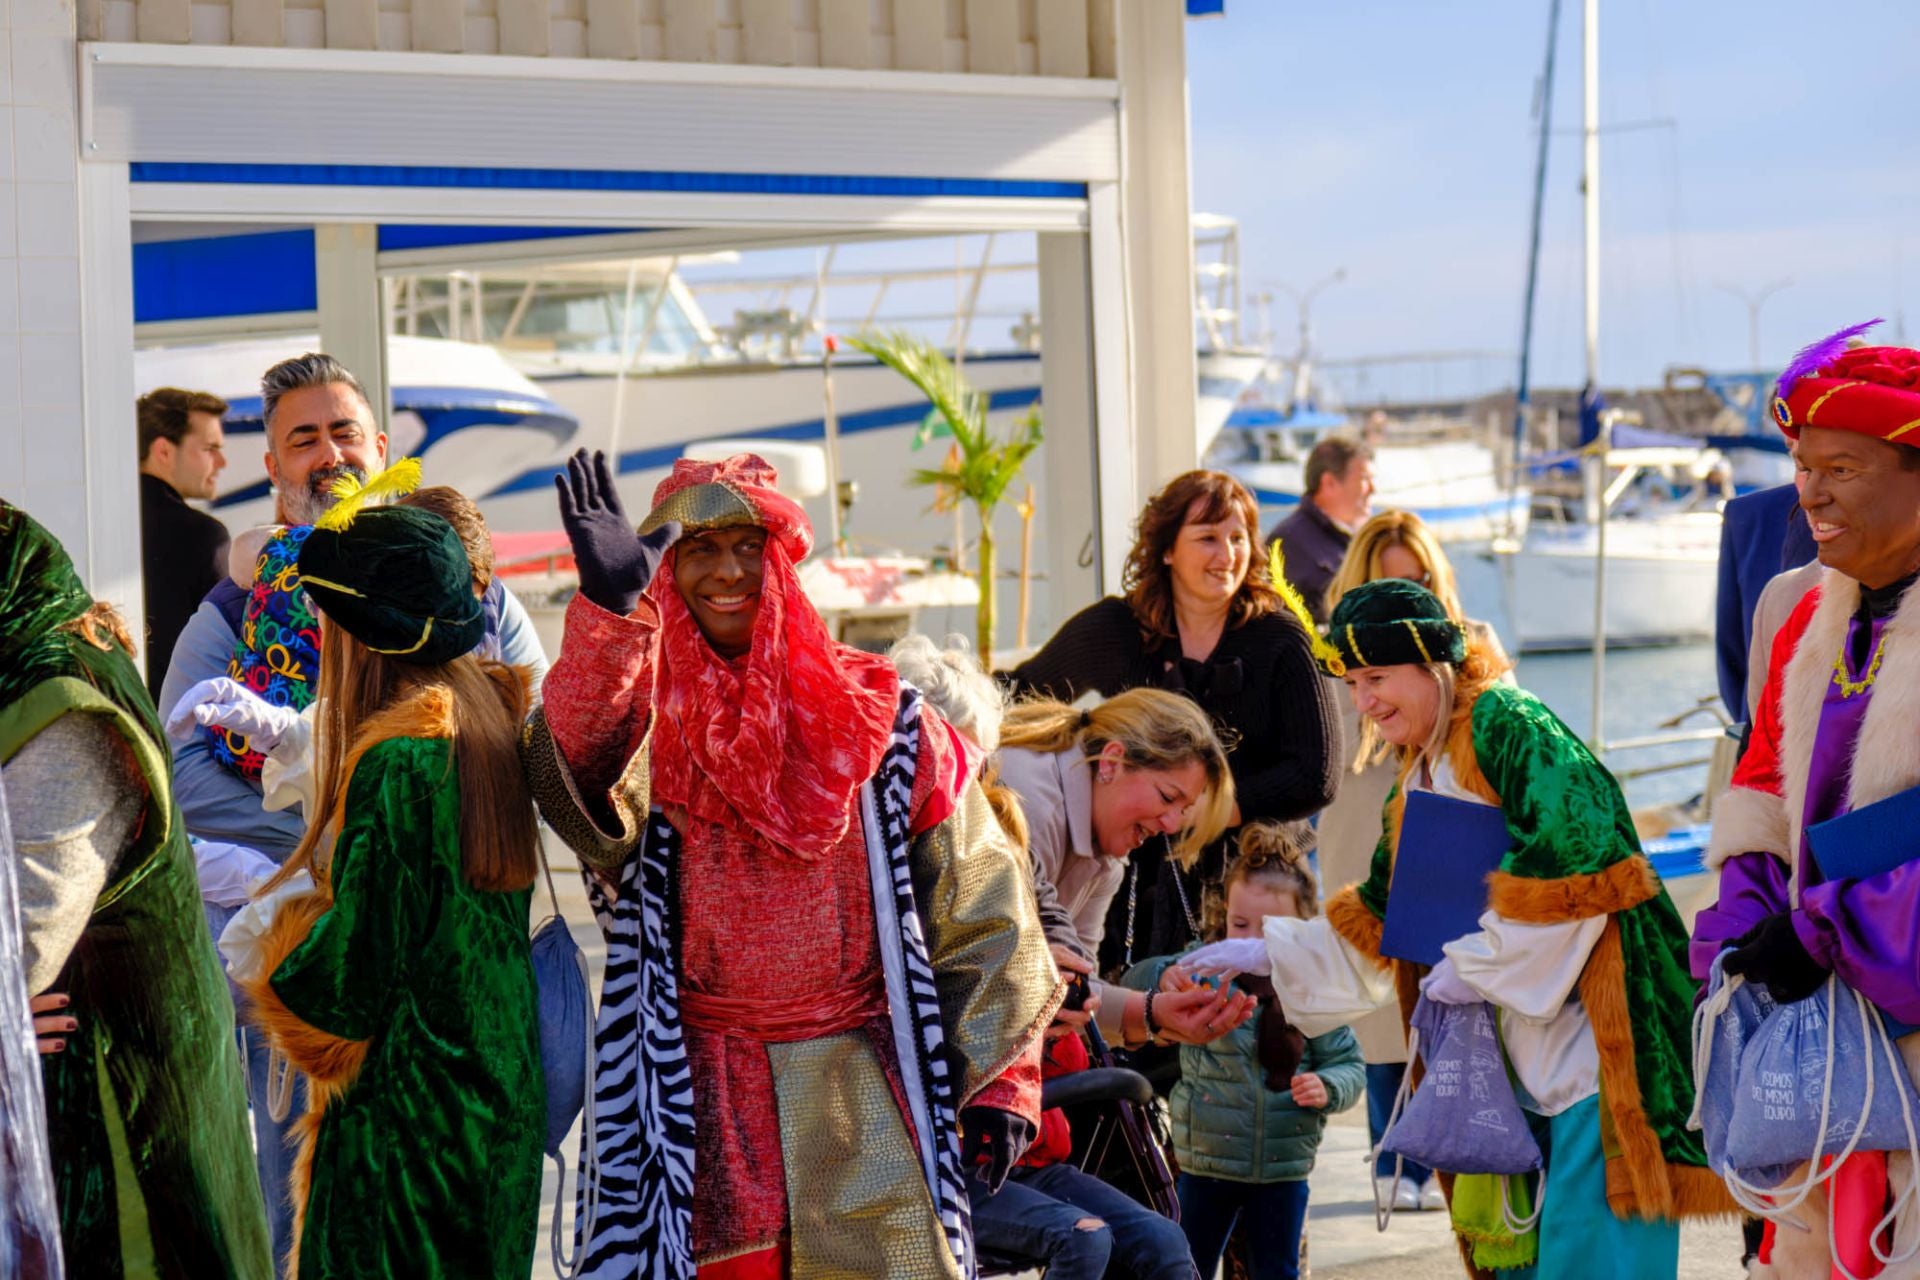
x=1200 y=617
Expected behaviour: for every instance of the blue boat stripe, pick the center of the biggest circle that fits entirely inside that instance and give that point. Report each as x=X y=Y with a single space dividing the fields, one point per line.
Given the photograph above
x=755 y=184
x=898 y=415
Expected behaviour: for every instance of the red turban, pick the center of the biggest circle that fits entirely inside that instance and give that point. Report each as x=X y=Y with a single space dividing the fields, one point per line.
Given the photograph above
x=1872 y=390
x=775 y=744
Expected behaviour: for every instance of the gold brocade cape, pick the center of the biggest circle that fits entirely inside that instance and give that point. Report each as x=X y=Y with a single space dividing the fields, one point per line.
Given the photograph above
x=970 y=987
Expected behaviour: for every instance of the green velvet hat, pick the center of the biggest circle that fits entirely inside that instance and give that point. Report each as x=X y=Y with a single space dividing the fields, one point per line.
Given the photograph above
x=1391 y=621
x=397 y=579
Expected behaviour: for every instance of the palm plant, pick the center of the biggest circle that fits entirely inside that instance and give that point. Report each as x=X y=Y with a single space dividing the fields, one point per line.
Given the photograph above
x=981 y=467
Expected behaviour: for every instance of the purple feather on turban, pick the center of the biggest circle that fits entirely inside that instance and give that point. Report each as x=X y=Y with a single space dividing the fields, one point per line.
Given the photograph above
x=1824 y=352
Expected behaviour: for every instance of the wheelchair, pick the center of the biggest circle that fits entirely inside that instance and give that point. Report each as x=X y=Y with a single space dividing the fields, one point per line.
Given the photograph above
x=1115 y=1138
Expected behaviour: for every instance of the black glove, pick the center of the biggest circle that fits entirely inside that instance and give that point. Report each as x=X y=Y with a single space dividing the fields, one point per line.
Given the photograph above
x=1001 y=1136
x=615 y=563
x=1771 y=955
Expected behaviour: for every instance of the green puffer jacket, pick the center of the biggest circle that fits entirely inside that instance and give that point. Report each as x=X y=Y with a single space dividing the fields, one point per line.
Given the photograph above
x=1227 y=1124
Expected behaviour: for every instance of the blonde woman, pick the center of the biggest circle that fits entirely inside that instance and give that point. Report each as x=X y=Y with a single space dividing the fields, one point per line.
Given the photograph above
x=1393 y=544
x=1097 y=784
x=1579 y=949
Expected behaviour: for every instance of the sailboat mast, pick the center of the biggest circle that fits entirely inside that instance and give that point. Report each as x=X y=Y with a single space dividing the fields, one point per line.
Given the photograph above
x=1595 y=468
x=1523 y=389
x=1590 y=183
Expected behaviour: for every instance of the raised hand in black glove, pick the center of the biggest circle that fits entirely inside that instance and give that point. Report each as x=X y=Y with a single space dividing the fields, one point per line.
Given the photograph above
x=615 y=563
x=1001 y=1136
x=1770 y=954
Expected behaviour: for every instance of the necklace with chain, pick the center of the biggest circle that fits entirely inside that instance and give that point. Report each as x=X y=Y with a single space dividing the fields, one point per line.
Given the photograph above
x=1850 y=688
x=1186 y=909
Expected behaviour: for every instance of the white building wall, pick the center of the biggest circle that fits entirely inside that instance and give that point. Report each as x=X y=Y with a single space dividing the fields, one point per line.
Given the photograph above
x=87 y=496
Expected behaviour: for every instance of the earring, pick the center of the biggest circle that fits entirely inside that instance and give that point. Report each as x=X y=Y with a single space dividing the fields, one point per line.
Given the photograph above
x=1106 y=773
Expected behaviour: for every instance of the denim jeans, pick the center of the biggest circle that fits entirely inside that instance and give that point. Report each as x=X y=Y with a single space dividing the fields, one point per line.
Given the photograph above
x=1383 y=1081
x=1273 y=1213
x=1034 y=1219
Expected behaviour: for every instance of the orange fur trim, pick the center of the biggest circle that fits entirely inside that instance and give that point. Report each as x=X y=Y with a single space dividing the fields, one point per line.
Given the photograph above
x=329 y=1063
x=1699 y=1193
x=1640 y=1181
x=1626 y=883
x=1352 y=921
x=321 y=1056
x=1603 y=990
x=1466 y=764
x=426 y=712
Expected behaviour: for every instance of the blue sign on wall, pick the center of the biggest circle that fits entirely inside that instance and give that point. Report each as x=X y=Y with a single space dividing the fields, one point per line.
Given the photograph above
x=1206 y=8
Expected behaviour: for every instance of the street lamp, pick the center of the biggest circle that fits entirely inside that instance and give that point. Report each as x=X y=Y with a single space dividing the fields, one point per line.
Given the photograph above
x=1754 y=302
x=1304 y=302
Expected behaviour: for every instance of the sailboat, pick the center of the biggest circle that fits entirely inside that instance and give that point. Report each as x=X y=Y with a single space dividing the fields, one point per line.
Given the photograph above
x=1640 y=550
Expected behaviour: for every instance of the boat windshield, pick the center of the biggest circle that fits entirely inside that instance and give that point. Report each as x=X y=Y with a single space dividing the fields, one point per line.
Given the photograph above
x=560 y=317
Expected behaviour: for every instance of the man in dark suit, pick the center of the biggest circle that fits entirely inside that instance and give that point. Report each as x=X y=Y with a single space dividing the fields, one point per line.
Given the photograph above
x=183 y=552
x=1762 y=534
x=1336 y=498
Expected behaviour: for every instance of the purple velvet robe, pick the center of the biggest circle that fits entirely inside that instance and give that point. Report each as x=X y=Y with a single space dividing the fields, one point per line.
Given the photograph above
x=1868 y=930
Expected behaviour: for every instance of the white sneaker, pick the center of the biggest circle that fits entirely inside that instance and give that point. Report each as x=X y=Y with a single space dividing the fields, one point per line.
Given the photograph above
x=1406 y=1195
x=1432 y=1197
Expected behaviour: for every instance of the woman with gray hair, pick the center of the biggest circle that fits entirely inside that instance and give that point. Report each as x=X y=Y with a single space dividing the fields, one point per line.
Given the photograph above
x=974 y=705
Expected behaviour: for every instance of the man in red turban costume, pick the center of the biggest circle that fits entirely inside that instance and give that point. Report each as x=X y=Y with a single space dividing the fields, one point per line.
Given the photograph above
x=1835 y=731
x=824 y=974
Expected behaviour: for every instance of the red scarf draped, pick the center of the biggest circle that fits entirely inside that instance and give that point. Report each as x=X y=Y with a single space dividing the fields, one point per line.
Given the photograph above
x=776 y=744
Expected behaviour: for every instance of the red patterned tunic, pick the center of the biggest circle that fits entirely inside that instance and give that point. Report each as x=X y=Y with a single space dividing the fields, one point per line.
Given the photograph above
x=767 y=940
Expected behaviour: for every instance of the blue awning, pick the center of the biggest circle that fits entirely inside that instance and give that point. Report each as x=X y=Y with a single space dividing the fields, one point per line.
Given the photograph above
x=267 y=272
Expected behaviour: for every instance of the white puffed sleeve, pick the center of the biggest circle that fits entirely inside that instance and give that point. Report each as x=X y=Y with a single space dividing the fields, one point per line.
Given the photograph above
x=1323 y=981
x=1528 y=970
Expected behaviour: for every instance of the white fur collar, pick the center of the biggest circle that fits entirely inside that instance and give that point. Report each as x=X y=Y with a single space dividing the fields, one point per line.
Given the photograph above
x=1886 y=759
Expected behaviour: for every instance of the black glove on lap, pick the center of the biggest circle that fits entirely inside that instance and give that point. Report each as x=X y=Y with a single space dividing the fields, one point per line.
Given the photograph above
x=1001 y=1136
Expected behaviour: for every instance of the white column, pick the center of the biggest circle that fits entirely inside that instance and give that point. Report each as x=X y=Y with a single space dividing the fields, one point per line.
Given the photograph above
x=1157 y=218
x=1068 y=494
x=112 y=565
x=347 y=288
x=67 y=451
x=1117 y=404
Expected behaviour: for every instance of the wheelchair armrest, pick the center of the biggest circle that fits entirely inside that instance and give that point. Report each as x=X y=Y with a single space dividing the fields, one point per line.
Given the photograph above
x=1100 y=1084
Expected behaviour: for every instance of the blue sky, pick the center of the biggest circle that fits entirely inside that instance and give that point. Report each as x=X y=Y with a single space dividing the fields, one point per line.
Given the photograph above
x=1393 y=138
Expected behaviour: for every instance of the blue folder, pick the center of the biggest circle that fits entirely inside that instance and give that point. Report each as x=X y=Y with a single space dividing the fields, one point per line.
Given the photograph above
x=1447 y=850
x=1871 y=839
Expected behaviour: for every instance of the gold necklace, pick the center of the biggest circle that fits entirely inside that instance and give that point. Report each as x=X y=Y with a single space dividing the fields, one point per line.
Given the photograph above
x=1854 y=688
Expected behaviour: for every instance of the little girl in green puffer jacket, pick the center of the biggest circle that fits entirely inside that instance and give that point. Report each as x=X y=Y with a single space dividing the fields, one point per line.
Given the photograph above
x=1250 y=1107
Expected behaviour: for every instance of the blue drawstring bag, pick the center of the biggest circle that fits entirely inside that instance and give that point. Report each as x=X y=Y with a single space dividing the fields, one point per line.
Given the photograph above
x=1723 y=1024
x=1464 y=1117
x=1815 y=1081
x=565 y=992
x=1818 y=1077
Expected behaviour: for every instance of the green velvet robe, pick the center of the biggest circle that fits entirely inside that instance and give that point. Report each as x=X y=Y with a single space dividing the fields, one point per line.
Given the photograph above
x=1575 y=855
x=147 y=1107
x=411 y=1004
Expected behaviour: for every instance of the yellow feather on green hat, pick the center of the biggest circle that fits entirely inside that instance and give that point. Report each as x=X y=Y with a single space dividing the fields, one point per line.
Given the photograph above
x=351 y=494
x=1324 y=653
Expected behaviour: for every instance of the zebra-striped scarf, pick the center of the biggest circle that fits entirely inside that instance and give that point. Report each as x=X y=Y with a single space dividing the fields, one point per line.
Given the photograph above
x=643 y=1085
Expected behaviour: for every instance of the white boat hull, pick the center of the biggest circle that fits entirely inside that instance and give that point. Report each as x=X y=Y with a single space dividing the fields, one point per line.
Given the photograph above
x=1662 y=576
x=1452 y=486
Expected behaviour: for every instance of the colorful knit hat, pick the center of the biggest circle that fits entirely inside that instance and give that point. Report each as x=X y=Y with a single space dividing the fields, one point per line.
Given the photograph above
x=1874 y=391
x=277 y=653
x=1391 y=621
